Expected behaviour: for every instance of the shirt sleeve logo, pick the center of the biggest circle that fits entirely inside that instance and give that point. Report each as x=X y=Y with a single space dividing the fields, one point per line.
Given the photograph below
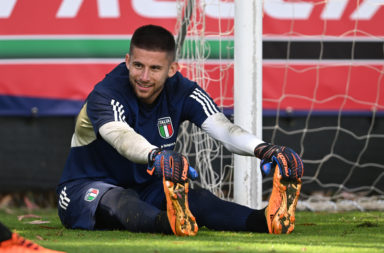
x=165 y=127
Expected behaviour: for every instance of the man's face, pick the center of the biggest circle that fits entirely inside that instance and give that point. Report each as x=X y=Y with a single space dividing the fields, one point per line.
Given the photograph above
x=148 y=71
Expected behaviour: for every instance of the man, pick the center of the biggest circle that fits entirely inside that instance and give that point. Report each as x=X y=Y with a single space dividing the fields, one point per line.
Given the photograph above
x=14 y=243
x=121 y=172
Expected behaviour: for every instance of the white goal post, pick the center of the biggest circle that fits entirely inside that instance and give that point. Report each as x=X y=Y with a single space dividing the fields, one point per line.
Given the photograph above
x=248 y=96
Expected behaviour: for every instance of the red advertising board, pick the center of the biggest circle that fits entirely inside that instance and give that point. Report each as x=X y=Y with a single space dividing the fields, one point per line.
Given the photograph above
x=287 y=84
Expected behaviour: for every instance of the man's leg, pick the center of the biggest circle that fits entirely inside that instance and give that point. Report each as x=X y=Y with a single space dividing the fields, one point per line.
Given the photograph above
x=209 y=210
x=121 y=208
x=277 y=218
x=218 y=214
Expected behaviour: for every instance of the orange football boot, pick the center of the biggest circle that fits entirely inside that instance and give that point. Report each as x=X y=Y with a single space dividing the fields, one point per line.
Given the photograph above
x=18 y=244
x=182 y=222
x=280 y=212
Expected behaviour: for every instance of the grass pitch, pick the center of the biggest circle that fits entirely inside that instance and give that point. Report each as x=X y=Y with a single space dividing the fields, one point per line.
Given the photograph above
x=314 y=232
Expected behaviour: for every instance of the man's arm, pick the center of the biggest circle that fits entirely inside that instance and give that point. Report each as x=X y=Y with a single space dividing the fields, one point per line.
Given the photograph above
x=232 y=136
x=241 y=142
x=126 y=141
x=137 y=149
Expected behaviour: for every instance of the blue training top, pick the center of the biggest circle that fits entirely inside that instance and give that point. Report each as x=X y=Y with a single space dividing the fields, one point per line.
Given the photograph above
x=113 y=99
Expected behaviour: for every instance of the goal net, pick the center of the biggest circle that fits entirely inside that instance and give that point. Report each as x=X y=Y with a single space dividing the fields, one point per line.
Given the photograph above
x=207 y=58
x=323 y=95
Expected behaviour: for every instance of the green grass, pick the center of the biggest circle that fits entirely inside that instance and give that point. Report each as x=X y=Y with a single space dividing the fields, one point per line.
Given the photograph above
x=315 y=232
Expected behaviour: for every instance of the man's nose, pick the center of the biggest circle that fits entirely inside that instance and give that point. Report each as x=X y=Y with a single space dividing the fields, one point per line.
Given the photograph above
x=145 y=74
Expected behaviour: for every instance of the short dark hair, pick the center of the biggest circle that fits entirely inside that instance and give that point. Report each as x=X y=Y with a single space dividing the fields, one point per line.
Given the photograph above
x=154 y=38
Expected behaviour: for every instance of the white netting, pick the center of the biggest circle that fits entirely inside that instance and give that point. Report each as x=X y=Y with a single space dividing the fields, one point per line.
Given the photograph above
x=339 y=133
x=205 y=154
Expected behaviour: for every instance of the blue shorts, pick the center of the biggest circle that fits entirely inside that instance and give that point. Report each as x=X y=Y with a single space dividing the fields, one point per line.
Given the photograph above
x=78 y=201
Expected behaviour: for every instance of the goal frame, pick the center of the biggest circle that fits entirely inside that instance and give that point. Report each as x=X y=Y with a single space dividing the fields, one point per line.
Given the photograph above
x=248 y=96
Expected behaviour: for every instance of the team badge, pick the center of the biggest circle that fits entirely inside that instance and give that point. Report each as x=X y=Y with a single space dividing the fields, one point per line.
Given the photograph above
x=165 y=127
x=91 y=194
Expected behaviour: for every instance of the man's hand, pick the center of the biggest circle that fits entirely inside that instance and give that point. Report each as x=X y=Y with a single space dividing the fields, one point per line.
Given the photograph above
x=170 y=164
x=290 y=164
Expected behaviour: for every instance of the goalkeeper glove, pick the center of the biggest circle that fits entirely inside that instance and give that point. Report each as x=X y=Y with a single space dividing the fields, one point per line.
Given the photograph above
x=170 y=164
x=290 y=164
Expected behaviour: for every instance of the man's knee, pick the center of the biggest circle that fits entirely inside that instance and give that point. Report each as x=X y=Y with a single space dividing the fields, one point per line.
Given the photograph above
x=116 y=196
x=121 y=208
x=112 y=206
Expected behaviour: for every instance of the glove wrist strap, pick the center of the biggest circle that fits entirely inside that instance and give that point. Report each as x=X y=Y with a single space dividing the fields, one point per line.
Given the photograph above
x=260 y=150
x=151 y=155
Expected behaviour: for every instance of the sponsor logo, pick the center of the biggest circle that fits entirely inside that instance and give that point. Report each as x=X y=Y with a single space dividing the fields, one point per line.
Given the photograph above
x=155 y=9
x=165 y=127
x=91 y=194
x=108 y=17
x=184 y=174
x=168 y=145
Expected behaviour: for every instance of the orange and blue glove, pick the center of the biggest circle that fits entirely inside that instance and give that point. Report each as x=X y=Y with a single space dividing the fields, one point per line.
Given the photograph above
x=289 y=162
x=170 y=164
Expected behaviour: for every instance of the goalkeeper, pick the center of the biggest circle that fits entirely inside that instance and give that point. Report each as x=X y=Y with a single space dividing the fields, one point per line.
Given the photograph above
x=122 y=172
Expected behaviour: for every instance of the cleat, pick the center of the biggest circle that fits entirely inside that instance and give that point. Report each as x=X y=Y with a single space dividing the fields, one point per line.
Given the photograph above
x=18 y=244
x=182 y=222
x=280 y=212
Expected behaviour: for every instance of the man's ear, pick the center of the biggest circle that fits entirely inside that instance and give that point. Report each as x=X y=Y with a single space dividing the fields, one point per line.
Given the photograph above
x=127 y=60
x=173 y=69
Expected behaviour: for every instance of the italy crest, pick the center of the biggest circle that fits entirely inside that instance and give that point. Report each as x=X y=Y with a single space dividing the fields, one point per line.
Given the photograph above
x=91 y=194
x=165 y=127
